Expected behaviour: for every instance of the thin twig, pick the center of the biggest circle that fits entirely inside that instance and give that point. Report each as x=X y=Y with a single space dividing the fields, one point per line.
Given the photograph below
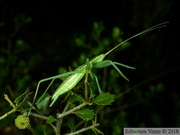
x=84 y=129
x=59 y=121
x=10 y=102
x=8 y=113
x=86 y=82
x=33 y=107
x=72 y=110
x=37 y=115
x=66 y=107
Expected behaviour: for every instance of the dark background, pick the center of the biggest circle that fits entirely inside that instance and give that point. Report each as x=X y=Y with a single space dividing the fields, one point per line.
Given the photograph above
x=46 y=43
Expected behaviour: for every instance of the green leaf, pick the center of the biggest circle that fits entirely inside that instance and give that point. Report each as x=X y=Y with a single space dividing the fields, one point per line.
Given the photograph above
x=116 y=32
x=43 y=102
x=85 y=114
x=50 y=119
x=104 y=99
x=71 y=124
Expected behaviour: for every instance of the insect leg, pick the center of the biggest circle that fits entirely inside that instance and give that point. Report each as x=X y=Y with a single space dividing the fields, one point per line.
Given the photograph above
x=93 y=75
x=51 y=78
x=106 y=63
x=96 y=79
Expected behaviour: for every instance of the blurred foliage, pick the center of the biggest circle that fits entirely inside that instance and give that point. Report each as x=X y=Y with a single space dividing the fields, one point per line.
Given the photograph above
x=150 y=99
x=16 y=62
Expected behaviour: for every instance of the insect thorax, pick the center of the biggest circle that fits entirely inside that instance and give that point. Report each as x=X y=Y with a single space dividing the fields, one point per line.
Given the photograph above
x=97 y=59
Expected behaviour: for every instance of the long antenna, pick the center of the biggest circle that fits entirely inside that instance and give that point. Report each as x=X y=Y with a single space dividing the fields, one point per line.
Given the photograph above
x=144 y=31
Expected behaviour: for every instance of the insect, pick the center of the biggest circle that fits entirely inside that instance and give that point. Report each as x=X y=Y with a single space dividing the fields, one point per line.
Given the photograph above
x=72 y=78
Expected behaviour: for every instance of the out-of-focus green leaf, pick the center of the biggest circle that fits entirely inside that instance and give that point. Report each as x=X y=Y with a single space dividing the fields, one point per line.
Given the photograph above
x=116 y=32
x=85 y=114
x=80 y=41
x=22 y=81
x=43 y=102
x=50 y=119
x=104 y=99
x=71 y=124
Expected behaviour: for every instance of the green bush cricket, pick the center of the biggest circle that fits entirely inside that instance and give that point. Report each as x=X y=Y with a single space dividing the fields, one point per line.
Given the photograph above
x=72 y=78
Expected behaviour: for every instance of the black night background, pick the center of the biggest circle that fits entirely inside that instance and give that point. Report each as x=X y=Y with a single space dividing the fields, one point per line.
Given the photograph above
x=39 y=40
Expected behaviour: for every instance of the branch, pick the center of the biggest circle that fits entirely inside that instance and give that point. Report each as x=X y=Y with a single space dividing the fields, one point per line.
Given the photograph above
x=12 y=111
x=84 y=129
x=8 y=113
x=10 y=102
x=59 y=116
x=20 y=110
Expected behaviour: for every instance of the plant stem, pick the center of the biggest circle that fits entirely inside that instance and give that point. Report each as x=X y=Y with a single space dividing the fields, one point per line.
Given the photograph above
x=84 y=129
x=86 y=83
x=10 y=102
x=72 y=110
x=8 y=113
x=58 y=127
x=12 y=111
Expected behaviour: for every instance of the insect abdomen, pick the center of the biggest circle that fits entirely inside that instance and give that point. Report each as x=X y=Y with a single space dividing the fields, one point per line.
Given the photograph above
x=67 y=85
